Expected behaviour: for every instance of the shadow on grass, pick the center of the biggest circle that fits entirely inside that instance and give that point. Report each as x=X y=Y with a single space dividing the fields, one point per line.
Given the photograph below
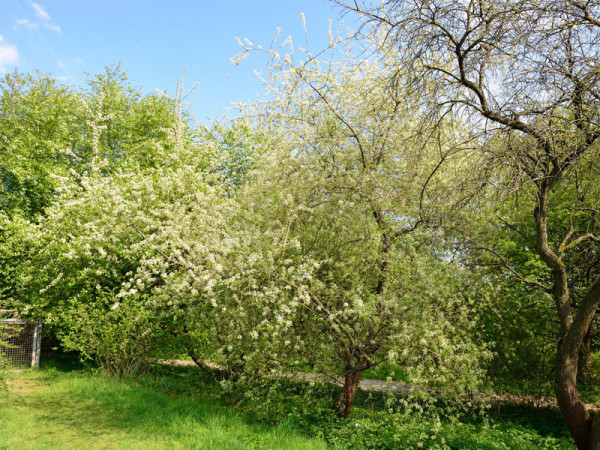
x=182 y=406
x=80 y=409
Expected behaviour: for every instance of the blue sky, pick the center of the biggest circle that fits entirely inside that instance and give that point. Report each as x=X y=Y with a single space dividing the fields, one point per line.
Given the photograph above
x=155 y=40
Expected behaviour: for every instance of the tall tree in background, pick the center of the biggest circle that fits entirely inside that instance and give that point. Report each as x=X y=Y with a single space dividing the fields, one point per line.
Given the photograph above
x=39 y=119
x=527 y=73
x=52 y=135
x=46 y=133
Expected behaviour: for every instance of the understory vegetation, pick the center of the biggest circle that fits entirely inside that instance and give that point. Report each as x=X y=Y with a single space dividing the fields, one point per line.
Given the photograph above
x=428 y=213
x=180 y=407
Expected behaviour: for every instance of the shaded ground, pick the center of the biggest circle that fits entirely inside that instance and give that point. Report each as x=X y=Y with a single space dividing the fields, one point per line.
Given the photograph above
x=52 y=410
x=495 y=399
x=178 y=406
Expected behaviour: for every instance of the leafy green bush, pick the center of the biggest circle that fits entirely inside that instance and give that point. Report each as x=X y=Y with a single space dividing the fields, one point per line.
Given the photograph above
x=120 y=335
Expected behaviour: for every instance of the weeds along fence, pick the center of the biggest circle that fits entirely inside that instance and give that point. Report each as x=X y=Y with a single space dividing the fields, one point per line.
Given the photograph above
x=21 y=341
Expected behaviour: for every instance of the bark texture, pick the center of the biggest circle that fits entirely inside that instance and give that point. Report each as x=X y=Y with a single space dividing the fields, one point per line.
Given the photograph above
x=572 y=408
x=346 y=398
x=575 y=326
x=586 y=355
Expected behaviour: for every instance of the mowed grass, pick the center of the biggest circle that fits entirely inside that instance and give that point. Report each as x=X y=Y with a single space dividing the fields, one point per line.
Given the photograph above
x=55 y=409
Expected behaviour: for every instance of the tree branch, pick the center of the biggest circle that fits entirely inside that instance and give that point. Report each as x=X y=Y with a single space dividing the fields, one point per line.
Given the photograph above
x=507 y=264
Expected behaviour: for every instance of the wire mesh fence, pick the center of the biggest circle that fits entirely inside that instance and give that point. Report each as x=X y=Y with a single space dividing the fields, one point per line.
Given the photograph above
x=21 y=342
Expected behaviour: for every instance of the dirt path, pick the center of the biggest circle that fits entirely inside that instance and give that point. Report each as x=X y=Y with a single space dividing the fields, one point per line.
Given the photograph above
x=495 y=399
x=23 y=386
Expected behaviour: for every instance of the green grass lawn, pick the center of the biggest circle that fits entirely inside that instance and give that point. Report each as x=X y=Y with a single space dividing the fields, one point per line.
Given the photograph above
x=54 y=409
x=65 y=406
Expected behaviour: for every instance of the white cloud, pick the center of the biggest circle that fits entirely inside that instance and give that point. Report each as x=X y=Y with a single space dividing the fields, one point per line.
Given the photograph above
x=9 y=55
x=26 y=23
x=43 y=17
x=52 y=27
x=41 y=12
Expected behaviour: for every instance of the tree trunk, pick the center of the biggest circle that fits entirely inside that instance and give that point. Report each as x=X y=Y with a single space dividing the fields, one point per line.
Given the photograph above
x=346 y=398
x=595 y=435
x=572 y=408
x=575 y=327
x=199 y=362
x=586 y=354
